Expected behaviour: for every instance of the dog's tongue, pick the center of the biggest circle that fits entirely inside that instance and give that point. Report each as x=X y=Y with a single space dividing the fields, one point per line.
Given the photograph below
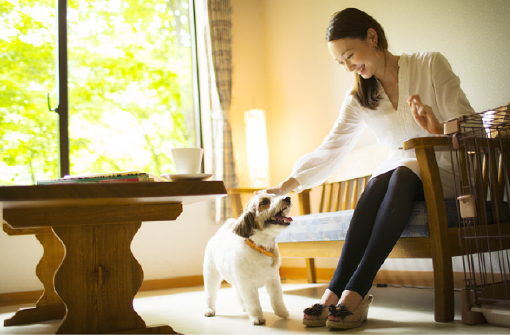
x=283 y=218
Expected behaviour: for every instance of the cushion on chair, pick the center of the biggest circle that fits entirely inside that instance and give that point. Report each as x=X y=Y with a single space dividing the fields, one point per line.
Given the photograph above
x=333 y=226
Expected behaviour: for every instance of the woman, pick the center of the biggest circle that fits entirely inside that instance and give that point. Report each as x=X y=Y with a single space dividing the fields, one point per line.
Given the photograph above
x=399 y=97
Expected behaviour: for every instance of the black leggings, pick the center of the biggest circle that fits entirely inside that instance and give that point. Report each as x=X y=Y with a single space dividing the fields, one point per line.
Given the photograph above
x=378 y=220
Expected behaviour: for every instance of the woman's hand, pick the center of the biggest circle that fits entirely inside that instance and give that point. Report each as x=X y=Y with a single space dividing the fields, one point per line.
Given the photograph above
x=424 y=116
x=285 y=187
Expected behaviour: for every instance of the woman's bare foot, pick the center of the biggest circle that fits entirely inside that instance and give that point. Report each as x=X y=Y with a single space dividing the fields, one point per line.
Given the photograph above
x=351 y=300
x=328 y=298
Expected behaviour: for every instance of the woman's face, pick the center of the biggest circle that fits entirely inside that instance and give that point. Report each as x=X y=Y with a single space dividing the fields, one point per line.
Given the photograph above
x=356 y=55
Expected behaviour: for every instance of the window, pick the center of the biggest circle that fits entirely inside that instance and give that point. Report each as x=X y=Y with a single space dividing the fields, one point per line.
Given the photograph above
x=130 y=83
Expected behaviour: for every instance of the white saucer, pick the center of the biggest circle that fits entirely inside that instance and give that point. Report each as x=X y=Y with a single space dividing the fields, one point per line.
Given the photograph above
x=190 y=176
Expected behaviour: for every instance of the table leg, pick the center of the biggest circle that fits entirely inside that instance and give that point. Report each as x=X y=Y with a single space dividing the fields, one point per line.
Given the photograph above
x=49 y=306
x=99 y=278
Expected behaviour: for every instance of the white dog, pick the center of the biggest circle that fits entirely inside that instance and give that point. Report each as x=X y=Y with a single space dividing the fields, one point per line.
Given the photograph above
x=244 y=253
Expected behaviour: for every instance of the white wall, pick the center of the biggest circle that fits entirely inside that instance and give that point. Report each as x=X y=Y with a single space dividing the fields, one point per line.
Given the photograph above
x=19 y=256
x=282 y=44
x=282 y=63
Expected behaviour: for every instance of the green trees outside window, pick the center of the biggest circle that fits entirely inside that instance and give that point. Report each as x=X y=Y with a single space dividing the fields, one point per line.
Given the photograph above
x=130 y=86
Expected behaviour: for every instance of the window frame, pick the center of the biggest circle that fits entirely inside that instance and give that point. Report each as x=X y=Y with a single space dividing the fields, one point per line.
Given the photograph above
x=62 y=83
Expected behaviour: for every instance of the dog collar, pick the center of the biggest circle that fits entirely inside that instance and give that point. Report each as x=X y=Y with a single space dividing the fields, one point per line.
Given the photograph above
x=259 y=249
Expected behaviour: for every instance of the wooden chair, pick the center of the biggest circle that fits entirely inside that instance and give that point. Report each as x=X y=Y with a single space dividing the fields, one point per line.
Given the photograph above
x=442 y=244
x=334 y=197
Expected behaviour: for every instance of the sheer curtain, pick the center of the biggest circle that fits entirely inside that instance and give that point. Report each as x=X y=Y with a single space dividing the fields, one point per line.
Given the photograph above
x=214 y=45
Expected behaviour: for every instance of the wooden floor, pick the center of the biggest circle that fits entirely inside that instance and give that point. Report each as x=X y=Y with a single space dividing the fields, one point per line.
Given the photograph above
x=396 y=310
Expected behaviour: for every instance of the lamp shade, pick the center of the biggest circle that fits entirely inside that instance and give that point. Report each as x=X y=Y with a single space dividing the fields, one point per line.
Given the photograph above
x=257 y=149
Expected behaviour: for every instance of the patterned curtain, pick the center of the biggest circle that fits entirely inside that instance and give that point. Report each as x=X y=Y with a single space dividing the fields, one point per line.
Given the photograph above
x=220 y=28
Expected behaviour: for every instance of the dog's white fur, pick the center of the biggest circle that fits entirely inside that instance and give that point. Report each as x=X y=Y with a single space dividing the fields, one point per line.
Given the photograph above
x=229 y=257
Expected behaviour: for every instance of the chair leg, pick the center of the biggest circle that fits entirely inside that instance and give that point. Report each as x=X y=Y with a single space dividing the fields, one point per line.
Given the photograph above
x=438 y=228
x=443 y=290
x=311 y=274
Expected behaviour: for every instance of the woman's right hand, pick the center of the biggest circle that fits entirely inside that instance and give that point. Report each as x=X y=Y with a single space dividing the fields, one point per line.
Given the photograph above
x=283 y=188
x=424 y=116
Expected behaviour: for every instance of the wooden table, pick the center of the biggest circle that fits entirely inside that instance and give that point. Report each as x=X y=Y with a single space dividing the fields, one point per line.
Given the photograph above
x=96 y=222
x=49 y=306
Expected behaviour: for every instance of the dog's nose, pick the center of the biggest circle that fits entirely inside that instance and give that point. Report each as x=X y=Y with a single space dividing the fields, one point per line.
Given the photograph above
x=287 y=200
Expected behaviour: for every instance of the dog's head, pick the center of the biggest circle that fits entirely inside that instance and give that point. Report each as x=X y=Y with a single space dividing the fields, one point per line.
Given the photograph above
x=264 y=212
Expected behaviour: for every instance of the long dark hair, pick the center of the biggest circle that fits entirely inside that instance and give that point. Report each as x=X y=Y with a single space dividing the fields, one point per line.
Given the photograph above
x=354 y=23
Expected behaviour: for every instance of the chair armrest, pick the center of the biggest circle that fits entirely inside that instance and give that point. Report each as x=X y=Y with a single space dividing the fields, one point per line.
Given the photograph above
x=242 y=190
x=438 y=142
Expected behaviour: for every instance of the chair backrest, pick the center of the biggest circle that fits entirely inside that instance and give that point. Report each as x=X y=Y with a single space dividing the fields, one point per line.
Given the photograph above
x=341 y=195
x=334 y=196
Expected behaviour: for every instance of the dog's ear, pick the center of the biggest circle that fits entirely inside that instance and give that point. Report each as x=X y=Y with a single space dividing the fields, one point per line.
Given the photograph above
x=245 y=224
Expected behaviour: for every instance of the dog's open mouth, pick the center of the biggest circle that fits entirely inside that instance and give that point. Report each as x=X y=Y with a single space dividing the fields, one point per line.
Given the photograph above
x=280 y=219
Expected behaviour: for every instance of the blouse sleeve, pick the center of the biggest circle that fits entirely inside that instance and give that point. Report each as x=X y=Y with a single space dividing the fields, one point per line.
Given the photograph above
x=451 y=100
x=316 y=167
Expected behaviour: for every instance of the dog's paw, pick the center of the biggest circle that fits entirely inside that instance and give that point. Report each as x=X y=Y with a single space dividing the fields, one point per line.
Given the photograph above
x=210 y=312
x=282 y=313
x=257 y=321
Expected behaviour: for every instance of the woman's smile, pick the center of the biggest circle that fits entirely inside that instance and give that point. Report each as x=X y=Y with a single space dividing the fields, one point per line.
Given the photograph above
x=355 y=55
x=361 y=70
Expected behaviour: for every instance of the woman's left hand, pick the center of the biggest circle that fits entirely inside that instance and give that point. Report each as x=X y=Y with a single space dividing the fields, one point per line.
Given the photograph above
x=424 y=116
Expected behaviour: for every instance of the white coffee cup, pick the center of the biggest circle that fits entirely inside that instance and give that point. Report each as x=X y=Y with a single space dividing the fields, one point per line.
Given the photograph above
x=187 y=160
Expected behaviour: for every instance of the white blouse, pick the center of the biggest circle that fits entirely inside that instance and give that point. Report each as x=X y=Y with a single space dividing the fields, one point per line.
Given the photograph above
x=427 y=74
